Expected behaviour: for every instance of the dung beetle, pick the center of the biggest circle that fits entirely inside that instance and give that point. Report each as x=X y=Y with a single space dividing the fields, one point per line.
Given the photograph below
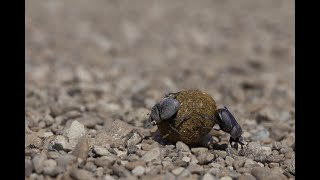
x=189 y=115
x=228 y=124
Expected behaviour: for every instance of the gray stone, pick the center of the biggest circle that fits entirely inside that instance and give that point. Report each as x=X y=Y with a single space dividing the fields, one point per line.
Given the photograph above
x=151 y=155
x=260 y=135
x=219 y=153
x=254 y=151
x=265 y=173
x=53 y=154
x=195 y=168
x=104 y=161
x=226 y=178
x=229 y=160
x=292 y=166
x=100 y=150
x=90 y=166
x=134 y=139
x=238 y=162
x=65 y=160
x=49 y=167
x=131 y=165
x=179 y=162
x=82 y=148
x=177 y=170
x=249 y=163
x=38 y=162
x=33 y=140
x=28 y=167
x=205 y=158
x=75 y=132
x=182 y=147
x=99 y=172
x=61 y=143
x=275 y=158
x=81 y=174
x=199 y=150
x=120 y=171
x=138 y=171
x=108 y=177
x=90 y=121
x=186 y=159
x=246 y=176
x=208 y=176
x=114 y=135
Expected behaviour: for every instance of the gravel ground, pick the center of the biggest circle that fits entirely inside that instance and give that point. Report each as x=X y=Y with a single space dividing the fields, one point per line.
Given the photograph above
x=94 y=69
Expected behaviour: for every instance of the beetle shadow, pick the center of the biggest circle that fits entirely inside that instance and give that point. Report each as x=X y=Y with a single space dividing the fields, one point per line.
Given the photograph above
x=208 y=142
x=157 y=136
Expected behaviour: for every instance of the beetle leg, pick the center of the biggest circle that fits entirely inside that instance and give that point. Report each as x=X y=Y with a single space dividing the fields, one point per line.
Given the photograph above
x=174 y=129
x=182 y=119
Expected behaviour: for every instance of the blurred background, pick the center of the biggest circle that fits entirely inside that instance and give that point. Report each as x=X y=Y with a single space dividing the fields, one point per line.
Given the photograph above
x=116 y=57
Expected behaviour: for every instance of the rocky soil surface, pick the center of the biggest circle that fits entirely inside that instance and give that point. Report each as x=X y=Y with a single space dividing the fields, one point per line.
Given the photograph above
x=94 y=69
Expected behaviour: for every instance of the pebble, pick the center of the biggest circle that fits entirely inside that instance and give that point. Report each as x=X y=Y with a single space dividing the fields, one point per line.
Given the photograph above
x=194 y=159
x=178 y=170
x=266 y=150
x=75 y=132
x=38 y=162
x=65 y=160
x=229 y=160
x=260 y=135
x=28 y=167
x=82 y=148
x=108 y=177
x=238 y=162
x=195 y=168
x=104 y=161
x=53 y=155
x=31 y=139
x=179 y=162
x=114 y=134
x=272 y=165
x=186 y=159
x=292 y=166
x=81 y=174
x=90 y=166
x=61 y=143
x=249 y=163
x=134 y=139
x=208 y=176
x=246 y=176
x=222 y=154
x=165 y=163
x=138 y=171
x=275 y=158
x=89 y=121
x=151 y=155
x=226 y=178
x=132 y=149
x=267 y=173
x=205 y=158
x=120 y=171
x=199 y=150
x=288 y=141
x=182 y=147
x=100 y=150
x=99 y=172
x=49 y=167
x=131 y=165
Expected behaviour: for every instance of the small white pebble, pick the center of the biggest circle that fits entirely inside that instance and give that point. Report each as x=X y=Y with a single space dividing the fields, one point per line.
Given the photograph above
x=186 y=159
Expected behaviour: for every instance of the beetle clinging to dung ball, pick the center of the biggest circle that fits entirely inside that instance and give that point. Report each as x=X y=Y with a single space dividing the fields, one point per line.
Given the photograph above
x=189 y=115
